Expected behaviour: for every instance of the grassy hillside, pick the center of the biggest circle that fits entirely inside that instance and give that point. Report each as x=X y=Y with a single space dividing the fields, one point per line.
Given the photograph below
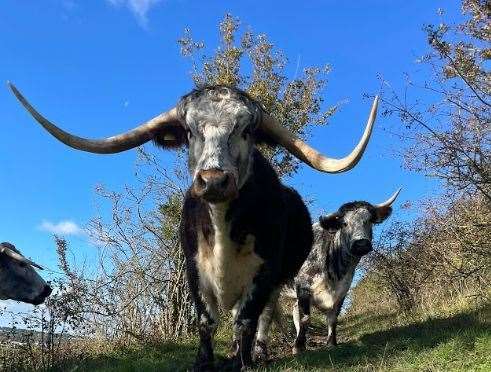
x=459 y=341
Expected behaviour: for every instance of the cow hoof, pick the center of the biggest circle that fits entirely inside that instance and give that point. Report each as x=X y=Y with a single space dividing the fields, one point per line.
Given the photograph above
x=203 y=366
x=331 y=344
x=298 y=349
x=234 y=350
x=233 y=365
x=260 y=352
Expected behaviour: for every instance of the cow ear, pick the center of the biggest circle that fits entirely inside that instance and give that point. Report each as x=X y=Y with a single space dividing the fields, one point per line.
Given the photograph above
x=171 y=137
x=263 y=138
x=382 y=213
x=331 y=223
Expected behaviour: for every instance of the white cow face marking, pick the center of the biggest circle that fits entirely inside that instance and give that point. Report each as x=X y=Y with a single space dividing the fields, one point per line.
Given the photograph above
x=358 y=231
x=220 y=124
x=353 y=225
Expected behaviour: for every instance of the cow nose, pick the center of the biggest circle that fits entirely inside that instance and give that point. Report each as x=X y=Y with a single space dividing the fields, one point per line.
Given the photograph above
x=361 y=247
x=215 y=185
x=46 y=291
x=42 y=296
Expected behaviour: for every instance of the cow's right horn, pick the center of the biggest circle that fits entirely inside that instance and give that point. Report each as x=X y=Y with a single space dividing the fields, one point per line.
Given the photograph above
x=389 y=201
x=121 y=142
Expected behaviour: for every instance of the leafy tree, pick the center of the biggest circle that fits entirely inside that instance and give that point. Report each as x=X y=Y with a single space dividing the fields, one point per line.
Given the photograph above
x=251 y=63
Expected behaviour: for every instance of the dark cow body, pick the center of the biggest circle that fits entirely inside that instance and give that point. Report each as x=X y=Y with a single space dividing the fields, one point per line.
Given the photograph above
x=280 y=223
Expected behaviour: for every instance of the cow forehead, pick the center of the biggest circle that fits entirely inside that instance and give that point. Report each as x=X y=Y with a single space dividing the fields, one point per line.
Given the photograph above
x=218 y=106
x=226 y=114
x=360 y=214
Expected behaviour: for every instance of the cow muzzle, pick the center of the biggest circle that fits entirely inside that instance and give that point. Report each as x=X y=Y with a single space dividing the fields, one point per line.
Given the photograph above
x=42 y=296
x=215 y=186
x=361 y=247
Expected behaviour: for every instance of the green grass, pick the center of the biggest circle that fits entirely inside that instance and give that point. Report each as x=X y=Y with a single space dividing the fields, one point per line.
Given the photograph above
x=458 y=342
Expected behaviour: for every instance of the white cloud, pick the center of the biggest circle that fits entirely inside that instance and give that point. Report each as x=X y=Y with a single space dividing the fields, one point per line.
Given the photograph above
x=61 y=228
x=139 y=8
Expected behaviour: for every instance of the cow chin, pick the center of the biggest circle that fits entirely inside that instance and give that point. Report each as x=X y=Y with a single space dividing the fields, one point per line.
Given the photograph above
x=216 y=198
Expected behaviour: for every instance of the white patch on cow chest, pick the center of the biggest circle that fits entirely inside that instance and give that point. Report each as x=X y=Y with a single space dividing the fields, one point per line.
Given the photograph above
x=226 y=269
x=326 y=295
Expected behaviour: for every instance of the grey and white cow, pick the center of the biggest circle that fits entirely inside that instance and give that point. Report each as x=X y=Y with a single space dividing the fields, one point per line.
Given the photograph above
x=18 y=279
x=341 y=239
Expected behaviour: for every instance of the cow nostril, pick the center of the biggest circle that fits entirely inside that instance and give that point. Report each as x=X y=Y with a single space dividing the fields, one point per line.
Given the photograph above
x=200 y=182
x=214 y=185
x=361 y=247
x=224 y=181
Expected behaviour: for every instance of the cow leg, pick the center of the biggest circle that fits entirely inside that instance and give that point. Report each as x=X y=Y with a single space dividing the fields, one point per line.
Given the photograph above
x=207 y=325
x=332 y=323
x=207 y=312
x=248 y=315
x=301 y=318
x=332 y=319
x=265 y=320
x=234 y=349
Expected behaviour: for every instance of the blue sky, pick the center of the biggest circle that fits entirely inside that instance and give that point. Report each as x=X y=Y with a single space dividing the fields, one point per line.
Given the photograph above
x=101 y=67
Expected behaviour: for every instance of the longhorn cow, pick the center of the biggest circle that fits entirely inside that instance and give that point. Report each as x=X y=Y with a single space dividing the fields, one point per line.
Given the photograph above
x=244 y=234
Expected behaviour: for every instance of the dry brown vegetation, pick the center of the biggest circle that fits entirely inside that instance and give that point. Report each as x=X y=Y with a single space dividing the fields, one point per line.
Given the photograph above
x=445 y=255
x=443 y=260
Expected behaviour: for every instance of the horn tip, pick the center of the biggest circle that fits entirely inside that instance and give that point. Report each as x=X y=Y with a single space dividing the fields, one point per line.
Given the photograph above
x=13 y=88
x=376 y=100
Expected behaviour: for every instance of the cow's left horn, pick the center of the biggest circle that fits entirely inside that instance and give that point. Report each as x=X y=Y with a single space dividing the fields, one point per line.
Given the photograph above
x=18 y=257
x=125 y=141
x=389 y=201
x=311 y=156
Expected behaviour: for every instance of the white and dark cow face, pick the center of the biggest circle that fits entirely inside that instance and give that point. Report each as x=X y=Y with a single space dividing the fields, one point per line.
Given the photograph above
x=353 y=222
x=19 y=280
x=219 y=124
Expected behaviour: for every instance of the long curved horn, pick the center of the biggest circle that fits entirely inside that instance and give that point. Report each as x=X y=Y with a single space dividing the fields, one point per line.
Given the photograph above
x=311 y=156
x=110 y=145
x=18 y=257
x=389 y=201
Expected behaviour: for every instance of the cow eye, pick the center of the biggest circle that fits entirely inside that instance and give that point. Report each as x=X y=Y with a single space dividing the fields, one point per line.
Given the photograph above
x=342 y=223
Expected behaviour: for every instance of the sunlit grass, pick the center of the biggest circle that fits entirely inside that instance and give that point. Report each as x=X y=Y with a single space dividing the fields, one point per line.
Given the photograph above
x=369 y=342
